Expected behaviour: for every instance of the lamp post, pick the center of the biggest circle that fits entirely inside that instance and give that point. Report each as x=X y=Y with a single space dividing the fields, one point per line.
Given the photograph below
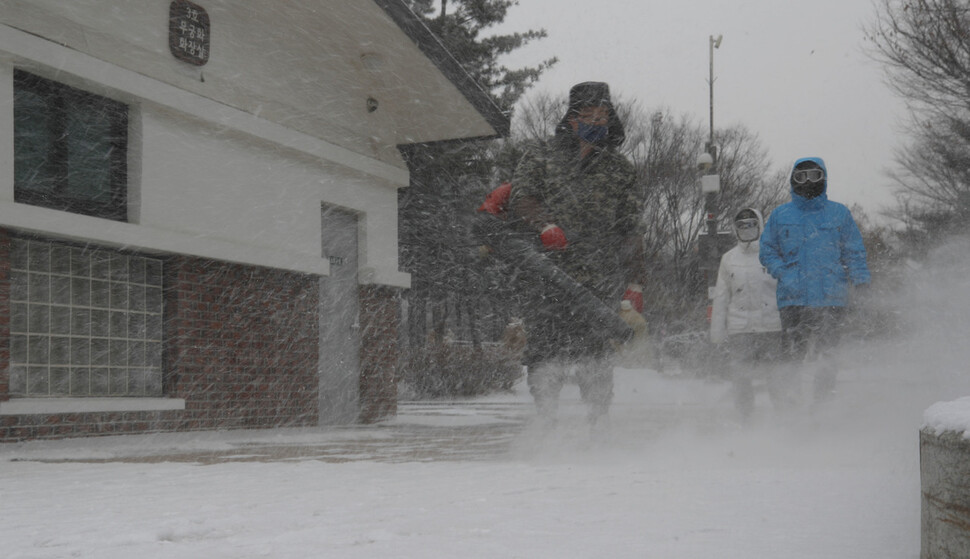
x=710 y=250
x=712 y=186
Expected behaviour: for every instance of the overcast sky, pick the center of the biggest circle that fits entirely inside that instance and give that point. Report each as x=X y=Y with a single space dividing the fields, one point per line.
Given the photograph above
x=794 y=72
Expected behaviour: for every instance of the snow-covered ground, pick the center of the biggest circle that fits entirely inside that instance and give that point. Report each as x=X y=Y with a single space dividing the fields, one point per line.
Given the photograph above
x=678 y=477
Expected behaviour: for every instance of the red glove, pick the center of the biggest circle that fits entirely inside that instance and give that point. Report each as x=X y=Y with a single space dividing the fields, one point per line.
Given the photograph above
x=497 y=200
x=553 y=238
x=634 y=294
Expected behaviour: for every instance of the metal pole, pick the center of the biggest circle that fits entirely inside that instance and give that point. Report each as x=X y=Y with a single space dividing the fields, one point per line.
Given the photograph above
x=710 y=82
x=710 y=207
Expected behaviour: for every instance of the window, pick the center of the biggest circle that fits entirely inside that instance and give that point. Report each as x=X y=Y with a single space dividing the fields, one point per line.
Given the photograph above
x=84 y=321
x=70 y=149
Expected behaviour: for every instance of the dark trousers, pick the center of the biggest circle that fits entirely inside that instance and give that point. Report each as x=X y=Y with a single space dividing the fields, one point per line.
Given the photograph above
x=809 y=335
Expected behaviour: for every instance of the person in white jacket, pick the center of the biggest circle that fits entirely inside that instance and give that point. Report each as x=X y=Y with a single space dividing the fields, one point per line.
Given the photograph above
x=745 y=322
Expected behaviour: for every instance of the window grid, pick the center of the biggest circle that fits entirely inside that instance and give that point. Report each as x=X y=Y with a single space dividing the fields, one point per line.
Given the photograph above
x=84 y=321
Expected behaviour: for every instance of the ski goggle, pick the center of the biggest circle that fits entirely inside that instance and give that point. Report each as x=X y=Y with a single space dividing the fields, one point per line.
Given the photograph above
x=744 y=224
x=801 y=176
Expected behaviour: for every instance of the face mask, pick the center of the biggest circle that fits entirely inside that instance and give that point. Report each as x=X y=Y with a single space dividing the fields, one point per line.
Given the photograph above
x=809 y=189
x=747 y=230
x=591 y=133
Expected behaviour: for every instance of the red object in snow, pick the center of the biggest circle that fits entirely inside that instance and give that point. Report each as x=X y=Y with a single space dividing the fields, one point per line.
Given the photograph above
x=634 y=294
x=497 y=201
x=553 y=238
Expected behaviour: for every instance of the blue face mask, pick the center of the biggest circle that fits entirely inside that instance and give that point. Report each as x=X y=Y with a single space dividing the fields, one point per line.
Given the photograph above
x=591 y=133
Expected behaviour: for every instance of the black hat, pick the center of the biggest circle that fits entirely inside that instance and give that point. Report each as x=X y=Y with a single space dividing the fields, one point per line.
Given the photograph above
x=589 y=94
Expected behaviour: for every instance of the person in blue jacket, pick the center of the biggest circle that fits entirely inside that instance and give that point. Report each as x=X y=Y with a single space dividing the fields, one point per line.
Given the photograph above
x=813 y=247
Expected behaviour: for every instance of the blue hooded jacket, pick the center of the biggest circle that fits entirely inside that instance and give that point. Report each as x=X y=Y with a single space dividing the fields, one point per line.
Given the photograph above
x=813 y=247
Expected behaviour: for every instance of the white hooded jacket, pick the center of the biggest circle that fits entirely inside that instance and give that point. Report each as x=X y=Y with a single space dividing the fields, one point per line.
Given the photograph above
x=744 y=297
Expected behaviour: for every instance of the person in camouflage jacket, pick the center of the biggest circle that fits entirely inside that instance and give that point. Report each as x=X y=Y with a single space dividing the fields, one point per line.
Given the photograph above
x=580 y=195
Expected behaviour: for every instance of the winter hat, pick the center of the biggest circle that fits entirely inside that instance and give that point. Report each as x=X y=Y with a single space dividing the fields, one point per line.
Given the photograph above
x=591 y=94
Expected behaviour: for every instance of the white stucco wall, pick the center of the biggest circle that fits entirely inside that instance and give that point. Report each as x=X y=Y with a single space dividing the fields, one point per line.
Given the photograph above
x=209 y=180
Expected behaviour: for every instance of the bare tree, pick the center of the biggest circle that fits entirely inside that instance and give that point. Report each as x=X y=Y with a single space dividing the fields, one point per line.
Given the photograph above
x=925 y=46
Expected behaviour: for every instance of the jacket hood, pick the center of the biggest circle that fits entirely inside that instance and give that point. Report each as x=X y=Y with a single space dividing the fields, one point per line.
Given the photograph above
x=761 y=227
x=806 y=203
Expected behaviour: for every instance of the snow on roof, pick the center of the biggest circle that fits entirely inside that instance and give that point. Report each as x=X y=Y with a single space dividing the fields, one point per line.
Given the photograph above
x=948 y=416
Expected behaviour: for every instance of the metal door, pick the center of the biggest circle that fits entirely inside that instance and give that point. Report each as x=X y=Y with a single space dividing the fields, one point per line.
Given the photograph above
x=339 y=322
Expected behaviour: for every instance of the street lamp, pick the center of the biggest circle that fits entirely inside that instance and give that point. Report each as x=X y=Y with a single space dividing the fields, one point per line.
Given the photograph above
x=710 y=186
x=709 y=245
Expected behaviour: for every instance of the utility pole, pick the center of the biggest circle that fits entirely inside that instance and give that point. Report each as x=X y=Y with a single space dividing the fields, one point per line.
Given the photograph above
x=710 y=189
x=709 y=245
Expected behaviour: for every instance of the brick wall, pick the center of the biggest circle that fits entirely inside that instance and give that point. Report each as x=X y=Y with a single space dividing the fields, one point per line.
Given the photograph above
x=241 y=347
x=378 y=360
x=242 y=344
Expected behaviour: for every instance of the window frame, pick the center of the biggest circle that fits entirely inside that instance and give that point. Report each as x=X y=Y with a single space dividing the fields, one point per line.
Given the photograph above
x=60 y=100
x=140 y=374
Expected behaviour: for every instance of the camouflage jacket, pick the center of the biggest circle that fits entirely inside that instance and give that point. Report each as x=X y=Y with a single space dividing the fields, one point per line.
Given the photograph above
x=596 y=202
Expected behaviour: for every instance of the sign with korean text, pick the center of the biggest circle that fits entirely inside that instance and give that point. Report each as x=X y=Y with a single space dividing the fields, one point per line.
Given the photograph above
x=188 y=32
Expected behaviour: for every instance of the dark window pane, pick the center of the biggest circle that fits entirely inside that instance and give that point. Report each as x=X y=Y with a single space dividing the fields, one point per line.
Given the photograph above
x=32 y=139
x=70 y=148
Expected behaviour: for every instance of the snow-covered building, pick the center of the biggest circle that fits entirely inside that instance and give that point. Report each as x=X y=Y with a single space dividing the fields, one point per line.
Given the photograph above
x=198 y=208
